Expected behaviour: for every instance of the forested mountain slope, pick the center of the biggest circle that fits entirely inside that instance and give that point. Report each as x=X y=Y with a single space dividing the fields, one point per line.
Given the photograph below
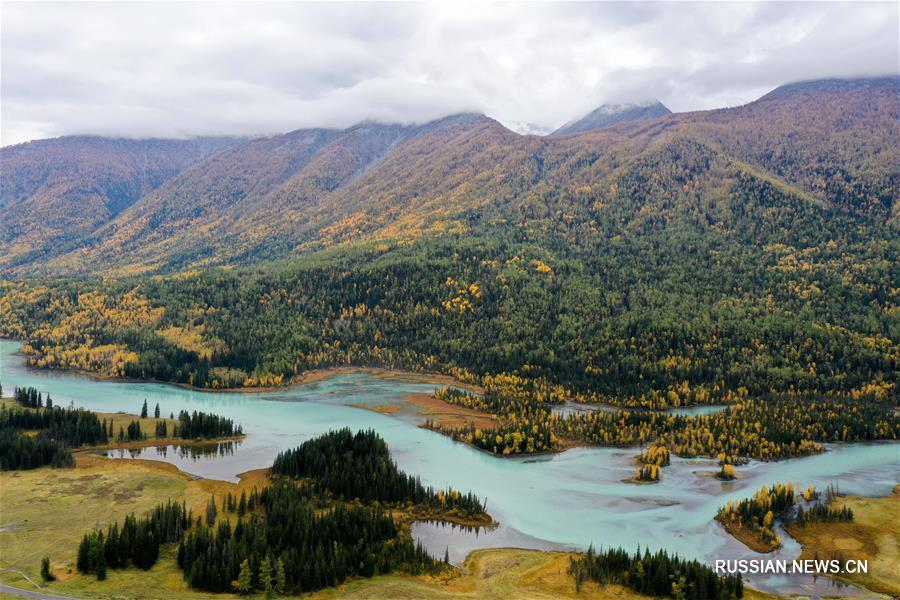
x=693 y=279
x=687 y=259
x=284 y=196
x=835 y=139
x=55 y=192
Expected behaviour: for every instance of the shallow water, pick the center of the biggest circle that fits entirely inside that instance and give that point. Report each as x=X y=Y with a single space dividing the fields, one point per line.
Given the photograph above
x=569 y=500
x=573 y=408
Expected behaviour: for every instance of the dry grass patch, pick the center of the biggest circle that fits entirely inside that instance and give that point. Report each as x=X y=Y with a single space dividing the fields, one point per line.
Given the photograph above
x=45 y=512
x=450 y=415
x=873 y=535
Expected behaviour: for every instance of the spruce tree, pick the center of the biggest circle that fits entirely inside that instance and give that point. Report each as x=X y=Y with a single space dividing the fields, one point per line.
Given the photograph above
x=244 y=583
x=265 y=576
x=156 y=411
x=83 y=561
x=144 y=410
x=211 y=511
x=46 y=575
x=101 y=566
x=280 y=578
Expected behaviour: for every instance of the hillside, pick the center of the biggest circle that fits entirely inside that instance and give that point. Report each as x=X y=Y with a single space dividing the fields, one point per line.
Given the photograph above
x=54 y=193
x=650 y=263
x=835 y=139
x=284 y=196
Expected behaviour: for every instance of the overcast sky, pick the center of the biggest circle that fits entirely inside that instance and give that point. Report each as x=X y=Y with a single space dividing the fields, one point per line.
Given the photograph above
x=177 y=70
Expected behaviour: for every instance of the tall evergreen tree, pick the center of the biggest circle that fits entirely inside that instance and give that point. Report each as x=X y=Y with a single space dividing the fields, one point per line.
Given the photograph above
x=211 y=511
x=244 y=583
x=265 y=577
x=46 y=575
x=280 y=578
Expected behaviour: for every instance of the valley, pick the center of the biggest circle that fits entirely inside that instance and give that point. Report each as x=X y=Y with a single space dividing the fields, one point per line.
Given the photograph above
x=509 y=360
x=599 y=508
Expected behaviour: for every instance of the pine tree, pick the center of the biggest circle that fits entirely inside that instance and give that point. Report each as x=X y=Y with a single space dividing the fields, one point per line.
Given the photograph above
x=111 y=548
x=144 y=410
x=242 y=505
x=211 y=511
x=244 y=583
x=46 y=575
x=265 y=576
x=156 y=411
x=49 y=401
x=280 y=578
x=83 y=562
x=101 y=565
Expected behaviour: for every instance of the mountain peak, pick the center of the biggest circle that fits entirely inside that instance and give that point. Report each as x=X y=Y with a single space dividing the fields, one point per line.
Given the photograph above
x=858 y=84
x=610 y=114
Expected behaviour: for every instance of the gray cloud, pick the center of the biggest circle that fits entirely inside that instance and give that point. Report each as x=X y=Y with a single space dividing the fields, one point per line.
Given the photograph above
x=176 y=70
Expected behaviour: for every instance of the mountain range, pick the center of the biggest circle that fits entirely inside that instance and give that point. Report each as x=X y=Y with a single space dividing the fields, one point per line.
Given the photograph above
x=95 y=205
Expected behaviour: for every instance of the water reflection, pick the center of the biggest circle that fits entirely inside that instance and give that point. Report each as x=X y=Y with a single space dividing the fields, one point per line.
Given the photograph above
x=180 y=455
x=567 y=408
x=457 y=541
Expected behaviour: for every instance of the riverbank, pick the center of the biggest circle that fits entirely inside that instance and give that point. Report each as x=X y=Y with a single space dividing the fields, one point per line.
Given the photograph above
x=451 y=415
x=307 y=377
x=747 y=536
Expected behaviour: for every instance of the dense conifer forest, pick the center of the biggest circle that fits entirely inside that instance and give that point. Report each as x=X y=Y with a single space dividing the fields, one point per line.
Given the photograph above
x=359 y=467
x=197 y=425
x=292 y=536
x=288 y=547
x=56 y=431
x=136 y=543
x=659 y=575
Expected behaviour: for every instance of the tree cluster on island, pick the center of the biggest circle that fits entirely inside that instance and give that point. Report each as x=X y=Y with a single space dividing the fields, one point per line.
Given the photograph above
x=765 y=429
x=752 y=519
x=757 y=514
x=358 y=466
